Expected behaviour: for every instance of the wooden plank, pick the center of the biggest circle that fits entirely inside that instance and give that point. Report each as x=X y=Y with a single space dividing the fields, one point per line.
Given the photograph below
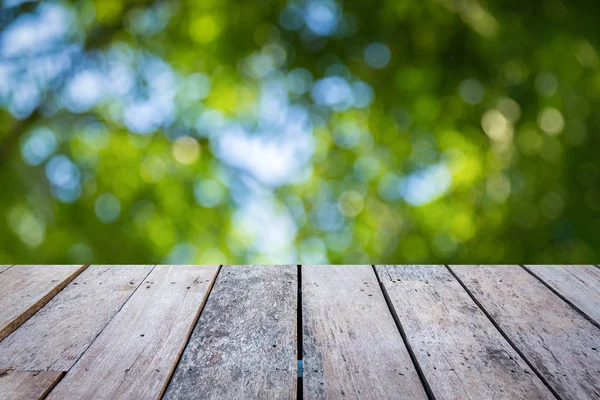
x=560 y=343
x=244 y=345
x=70 y=322
x=24 y=289
x=4 y=268
x=579 y=284
x=461 y=353
x=27 y=385
x=351 y=344
x=135 y=354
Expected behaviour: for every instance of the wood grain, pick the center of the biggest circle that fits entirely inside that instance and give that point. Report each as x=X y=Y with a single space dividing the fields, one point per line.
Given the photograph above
x=4 y=268
x=352 y=347
x=27 y=385
x=560 y=343
x=24 y=289
x=579 y=284
x=56 y=336
x=461 y=353
x=244 y=345
x=135 y=354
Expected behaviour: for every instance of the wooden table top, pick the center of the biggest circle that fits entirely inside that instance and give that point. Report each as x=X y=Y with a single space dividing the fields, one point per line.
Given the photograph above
x=310 y=331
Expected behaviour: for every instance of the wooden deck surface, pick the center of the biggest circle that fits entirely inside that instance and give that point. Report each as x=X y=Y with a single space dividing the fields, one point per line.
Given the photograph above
x=314 y=332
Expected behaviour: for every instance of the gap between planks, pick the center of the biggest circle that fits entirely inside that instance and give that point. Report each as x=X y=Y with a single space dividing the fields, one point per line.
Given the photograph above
x=189 y=336
x=65 y=325
x=37 y=377
x=11 y=321
x=118 y=311
x=557 y=339
x=299 y=338
x=4 y=268
x=135 y=354
x=407 y=344
x=393 y=313
x=39 y=384
x=506 y=337
x=27 y=385
x=250 y=317
x=554 y=290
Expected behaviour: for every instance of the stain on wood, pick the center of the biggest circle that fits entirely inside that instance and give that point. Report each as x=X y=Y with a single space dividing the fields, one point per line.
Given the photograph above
x=579 y=284
x=352 y=347
x=70 y=322
x=135 y=354
x=560 y=343
x=244 y=344
x=461 y=353
x=27 y=385
x=24 y=289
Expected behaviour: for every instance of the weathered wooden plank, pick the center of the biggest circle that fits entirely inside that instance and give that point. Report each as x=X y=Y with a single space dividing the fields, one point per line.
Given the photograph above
x=560 y=343
x=24 y=289
x=244 y=345
x=579 y=284
x=4 y=268
x=27 y=385
x=351 y=344
x=70 y=322
x=461 y=353
x=135 y=354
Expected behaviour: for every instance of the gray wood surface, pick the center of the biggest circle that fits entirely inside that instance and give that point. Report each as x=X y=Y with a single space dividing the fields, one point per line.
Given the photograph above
x=70 y=322
x=24 y=289
x=4 y=268
x=580 y=284
x=244 y=345
x=560 y=343
x=352 y=347
x=27 y=385
x=135 y=354
x=461 y=353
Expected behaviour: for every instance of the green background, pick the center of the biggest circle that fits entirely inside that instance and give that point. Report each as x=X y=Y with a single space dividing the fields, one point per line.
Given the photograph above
x=470 y=134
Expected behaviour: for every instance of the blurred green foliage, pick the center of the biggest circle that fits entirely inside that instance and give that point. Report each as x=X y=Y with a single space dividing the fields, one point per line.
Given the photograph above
x=313 y=131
